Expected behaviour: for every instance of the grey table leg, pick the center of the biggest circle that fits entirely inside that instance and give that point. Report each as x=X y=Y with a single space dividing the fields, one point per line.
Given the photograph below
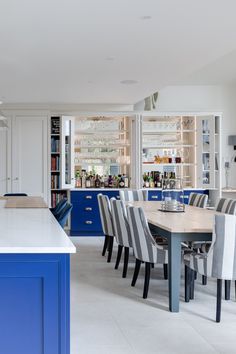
x=174 y=261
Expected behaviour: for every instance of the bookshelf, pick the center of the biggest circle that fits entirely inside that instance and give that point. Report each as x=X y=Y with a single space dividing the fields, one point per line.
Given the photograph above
x=55 y=164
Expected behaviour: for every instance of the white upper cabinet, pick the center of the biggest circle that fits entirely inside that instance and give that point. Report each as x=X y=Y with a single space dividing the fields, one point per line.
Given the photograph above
x=67 y=152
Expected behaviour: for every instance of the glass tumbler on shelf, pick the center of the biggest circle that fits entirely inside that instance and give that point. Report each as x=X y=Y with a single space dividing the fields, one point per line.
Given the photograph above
x=172 y=195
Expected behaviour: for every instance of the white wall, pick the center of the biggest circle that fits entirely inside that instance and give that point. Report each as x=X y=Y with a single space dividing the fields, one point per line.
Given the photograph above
x=203 y=99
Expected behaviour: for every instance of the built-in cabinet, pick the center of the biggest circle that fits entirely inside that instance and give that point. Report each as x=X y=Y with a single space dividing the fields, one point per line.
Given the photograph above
x=186 y=147
x=24 y=155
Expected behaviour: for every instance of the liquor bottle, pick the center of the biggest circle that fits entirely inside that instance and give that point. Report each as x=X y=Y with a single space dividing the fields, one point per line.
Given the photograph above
x=126 y=179
x=83 y=179
x=121 y=181
x=144 y=179
x=97 y=182
x=88 y=182
x=102 y=183
x=78 y=180
x=147 y=183
x=151 y=181
x=110 y=181
x=105 y=181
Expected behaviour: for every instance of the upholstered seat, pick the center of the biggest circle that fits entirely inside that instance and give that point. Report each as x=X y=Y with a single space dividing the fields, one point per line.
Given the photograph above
x=122 y=232
x=133 y=195
x=198 y=200
x=220 y=260
x=107 y=224
x=145 y=248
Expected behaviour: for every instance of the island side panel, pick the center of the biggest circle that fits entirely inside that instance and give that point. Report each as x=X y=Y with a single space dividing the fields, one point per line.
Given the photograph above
x=35 y=303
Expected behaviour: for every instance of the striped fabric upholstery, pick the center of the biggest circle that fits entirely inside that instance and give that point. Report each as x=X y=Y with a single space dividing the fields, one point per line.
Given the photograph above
x=226 y=206
x=198 y=200
x=220 y=261
x=135 y=195
x=105 y=214
x=144 y=246
x=120 y=222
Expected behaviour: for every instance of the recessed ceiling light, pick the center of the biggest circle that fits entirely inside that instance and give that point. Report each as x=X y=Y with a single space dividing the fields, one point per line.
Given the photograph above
x=146 y=17
x=129 y=82
x=110 y=58
x=1 y=102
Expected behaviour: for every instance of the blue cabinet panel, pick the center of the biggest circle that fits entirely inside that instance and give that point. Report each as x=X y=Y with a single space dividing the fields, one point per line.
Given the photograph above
x=34 y=304
x=85 y=217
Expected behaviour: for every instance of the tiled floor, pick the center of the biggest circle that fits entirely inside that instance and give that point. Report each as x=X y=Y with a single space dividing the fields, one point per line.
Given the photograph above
x=108 y=316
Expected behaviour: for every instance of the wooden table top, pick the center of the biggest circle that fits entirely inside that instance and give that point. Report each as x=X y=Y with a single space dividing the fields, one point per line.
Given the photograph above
x=25 y=202
x=193 y=220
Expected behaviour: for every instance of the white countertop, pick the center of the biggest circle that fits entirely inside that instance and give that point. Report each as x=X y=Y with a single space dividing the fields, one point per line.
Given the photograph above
x=31 y=231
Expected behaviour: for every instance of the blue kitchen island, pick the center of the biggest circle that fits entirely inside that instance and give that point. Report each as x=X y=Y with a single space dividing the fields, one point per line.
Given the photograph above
x=34 y=282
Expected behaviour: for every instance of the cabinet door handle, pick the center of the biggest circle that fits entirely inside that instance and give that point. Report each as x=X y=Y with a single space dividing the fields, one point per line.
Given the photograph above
x=88 y=197
x=88 y=222
x=118 y=197
x=154 y=196
x=88 y=209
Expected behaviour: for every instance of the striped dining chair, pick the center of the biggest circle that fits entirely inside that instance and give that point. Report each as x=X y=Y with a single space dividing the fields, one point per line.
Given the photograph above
x=226 y=206
x=134 y=195
x=219 y=262
x=122 y=232
x=198 y=200
x=107 y=224
x=145 y=248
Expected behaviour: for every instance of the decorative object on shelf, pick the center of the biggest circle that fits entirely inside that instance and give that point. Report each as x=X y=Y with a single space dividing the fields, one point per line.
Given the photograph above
x=232 y=141
x=172 y=195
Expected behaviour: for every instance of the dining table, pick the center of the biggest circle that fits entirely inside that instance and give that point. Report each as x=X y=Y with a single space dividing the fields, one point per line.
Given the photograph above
x=194 y=224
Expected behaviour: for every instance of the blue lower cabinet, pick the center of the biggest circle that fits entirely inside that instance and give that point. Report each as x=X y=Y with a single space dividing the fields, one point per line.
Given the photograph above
x=35 y=304
x=154 y=195
x=85 y=217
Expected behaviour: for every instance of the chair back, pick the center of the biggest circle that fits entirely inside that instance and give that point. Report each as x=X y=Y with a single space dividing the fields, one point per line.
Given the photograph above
x=60 y=205
x=144 y=246
x=226 y=206
x=105 y=214
x=223 y=248
x=62 y=217
x=198 y=200
x=15 y=195
x=120 y=223
x=134 y=195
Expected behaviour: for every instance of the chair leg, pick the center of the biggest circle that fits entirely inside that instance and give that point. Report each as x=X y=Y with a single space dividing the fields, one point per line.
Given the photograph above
x=119 y=253
x=110 y=248
x=195 y=275
x=192 y=284
x=218 y=300
x=204 y=280
x=165 y=269
x=147 y=279
x=187 y=283
x=106 y=241
x=152 y=265
x=136 y=272
x=126 y=261
x=227 y=289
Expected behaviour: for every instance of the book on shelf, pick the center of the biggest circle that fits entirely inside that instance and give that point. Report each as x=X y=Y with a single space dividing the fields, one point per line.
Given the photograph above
x=55 y=181
x=57 y=196
x=55 y=145
x=55 y=125
x=55 y=163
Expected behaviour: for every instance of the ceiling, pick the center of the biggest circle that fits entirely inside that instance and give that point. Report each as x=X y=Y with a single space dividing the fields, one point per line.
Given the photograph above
x=79 y=51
